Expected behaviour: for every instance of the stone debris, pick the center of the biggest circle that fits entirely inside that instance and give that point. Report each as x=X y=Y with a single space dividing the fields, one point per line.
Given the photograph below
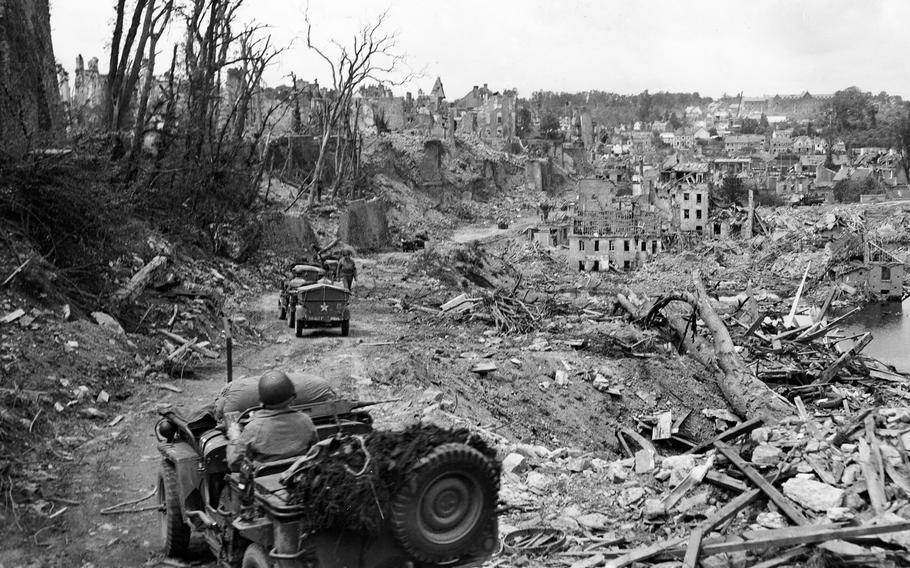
x=812 y=494
x=810 y=461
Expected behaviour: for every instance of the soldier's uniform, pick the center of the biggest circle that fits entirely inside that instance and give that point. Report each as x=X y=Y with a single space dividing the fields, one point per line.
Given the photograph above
x=347 y=270
x=273 y=434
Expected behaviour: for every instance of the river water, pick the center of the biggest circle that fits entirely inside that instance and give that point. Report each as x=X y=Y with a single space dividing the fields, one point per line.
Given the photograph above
x=889 y=323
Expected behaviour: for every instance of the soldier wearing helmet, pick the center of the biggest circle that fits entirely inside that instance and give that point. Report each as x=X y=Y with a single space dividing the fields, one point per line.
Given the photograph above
x=276 y=431
x=347 y=269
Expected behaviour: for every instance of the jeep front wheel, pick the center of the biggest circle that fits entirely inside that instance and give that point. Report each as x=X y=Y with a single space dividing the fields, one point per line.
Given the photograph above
x=345 y=327
x=441 y=514
x=174 y=532
x=299 y=328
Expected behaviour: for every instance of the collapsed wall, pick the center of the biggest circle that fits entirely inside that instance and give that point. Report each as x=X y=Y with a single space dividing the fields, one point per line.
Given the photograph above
x=364 y=225
x=287 y=234
x=30 y=109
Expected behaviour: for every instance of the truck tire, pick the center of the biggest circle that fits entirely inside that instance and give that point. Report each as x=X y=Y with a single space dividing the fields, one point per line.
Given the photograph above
x=174 y=532
x=345 y=327
x=441 y=514
x=255 y=557
x=299 y=331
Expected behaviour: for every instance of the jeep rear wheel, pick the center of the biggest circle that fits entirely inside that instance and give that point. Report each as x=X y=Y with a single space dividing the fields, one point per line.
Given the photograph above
x=282 y=312
x=290 y=316
x=443 y=512
x=174 y=532
x=255 y=557
x=345 y=327
x=299 y=328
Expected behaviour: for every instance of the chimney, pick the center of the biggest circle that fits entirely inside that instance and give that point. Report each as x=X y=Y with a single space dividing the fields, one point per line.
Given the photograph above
x=485 y=87
x=474 y=91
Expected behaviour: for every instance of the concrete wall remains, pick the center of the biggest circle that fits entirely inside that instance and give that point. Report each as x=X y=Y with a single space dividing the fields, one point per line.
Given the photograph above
x=287 y=235
x=539 y=173
x=364 y=225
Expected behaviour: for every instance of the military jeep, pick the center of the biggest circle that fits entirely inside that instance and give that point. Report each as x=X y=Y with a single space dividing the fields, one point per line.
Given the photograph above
x=444 y=514
x=322 y=305
x=303 y=274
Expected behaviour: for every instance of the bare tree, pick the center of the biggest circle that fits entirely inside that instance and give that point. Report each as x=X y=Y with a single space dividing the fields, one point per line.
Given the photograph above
x=373 y=55
x=158 y=25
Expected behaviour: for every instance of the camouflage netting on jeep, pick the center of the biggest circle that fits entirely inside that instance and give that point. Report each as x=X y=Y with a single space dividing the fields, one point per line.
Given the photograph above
x=350 y=484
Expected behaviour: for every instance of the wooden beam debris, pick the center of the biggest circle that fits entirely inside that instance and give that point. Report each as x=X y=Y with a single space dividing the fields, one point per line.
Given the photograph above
x=191 y=344
x=786 y=506
x=138 y=282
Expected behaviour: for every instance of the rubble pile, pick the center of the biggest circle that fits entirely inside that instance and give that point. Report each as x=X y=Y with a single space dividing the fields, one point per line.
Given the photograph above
x=808 y=486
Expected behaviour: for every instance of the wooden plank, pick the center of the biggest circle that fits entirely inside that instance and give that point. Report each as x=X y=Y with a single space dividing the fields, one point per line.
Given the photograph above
x=13 y=316
x=788 y=319
x=693 y=548
x=183 y=341
x=827 y=304
x=826 y=328
x=786 y=506
x=484 y=367
x=726 y=512
x=457 y=300
x=790 y=536
x=739 y=429
x=844 y=433
x=874 y=484
x=696 y=475
x=807 y=420
x=17 y=271
x=758 y=321
x=832 y=370
x=663 y=429
x=820 y=469
x=642 y=442
x=725 y=481
x=782 y=558
x=677 y=424
x=138 y=282
x=643 y=553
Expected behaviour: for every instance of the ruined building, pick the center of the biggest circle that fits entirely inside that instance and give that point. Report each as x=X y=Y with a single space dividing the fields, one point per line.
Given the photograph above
x=487 y=114
x=30 y=108
x=618 y=238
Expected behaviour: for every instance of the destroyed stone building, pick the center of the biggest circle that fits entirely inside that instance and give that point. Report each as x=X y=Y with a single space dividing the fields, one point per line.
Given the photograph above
x=487 y=114
x=618 y=239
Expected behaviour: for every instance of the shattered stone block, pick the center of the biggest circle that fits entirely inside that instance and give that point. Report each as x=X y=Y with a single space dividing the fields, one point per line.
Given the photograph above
x=644 y=461
x=771 y=520
x=813 y=494
x=514 y=463
x=766 y=455
x=631 y=495
x=654 y=508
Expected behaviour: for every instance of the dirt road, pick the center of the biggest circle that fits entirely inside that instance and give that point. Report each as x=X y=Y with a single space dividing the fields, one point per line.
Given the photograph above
x=121 y=463
x=423 y=361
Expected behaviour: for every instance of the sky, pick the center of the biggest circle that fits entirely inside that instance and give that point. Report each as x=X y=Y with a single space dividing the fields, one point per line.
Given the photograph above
x=709 y=46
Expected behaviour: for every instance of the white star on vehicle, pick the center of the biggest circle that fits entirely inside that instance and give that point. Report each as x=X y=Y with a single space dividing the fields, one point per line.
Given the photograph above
x=324 y=307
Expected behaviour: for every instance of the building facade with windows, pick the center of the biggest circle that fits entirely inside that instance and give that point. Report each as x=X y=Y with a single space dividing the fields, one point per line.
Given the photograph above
x=618 y=239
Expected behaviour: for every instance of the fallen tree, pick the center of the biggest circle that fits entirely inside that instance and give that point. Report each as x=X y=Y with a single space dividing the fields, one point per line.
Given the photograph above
x=748 y=395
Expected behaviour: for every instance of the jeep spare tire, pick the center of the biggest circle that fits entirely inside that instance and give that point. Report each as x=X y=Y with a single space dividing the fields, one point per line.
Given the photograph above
x=442 y=512
x=174 y=532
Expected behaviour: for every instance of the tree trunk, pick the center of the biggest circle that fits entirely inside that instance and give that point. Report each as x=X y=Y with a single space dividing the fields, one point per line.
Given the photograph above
x=317 y=169
x=745 y=393
x=142 y=105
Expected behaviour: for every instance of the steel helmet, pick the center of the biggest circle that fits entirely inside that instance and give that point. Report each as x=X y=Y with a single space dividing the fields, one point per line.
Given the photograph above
x=275 y=389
